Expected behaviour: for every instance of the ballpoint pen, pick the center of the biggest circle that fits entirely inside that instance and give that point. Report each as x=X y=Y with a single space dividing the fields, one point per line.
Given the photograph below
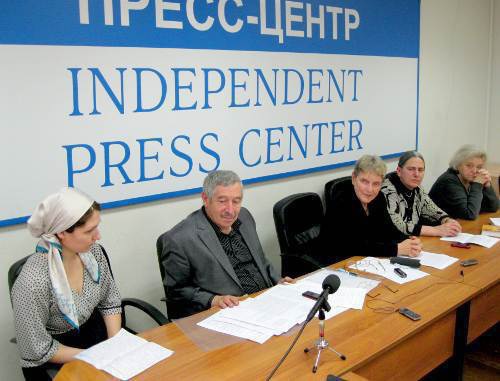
x=348 y=272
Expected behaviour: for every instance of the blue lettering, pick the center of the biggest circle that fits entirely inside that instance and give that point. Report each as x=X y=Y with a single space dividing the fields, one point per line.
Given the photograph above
x=273 y=143
x=181 y=155
x=286 y=101
x=271 y=94
x=337 y=136
x=163 y=84
x=74 y=77
x=179 y=87
x=353 y=135
x=242 y=148
x=313 y=84
x=119 y=165
x=295 y=137
x=120 y=104
x=143 y=158
x=69 y=160
x=222 y=81
x=210 y=152
x=235 y=85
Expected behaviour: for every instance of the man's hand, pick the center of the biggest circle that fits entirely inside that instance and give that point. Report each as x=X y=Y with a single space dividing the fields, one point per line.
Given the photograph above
x=286 y=279
x=224 y=301
x=410 y=247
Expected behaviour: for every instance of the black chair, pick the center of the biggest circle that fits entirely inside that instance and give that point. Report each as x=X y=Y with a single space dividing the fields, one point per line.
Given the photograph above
x=145 y=307
x=297 y=219
x=330 y=190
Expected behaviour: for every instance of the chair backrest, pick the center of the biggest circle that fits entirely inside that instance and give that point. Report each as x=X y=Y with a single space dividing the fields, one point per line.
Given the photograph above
x=14 y=271
x=330 y=189
x=297 y=219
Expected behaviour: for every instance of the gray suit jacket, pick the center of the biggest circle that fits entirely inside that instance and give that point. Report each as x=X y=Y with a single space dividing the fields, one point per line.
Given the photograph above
x=196 y=267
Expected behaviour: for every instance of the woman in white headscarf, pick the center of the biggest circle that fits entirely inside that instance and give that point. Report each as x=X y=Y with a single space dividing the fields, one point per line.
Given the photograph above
x=65 y=298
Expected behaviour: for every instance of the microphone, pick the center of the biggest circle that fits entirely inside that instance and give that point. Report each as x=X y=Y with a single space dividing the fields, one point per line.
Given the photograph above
x=330 y=285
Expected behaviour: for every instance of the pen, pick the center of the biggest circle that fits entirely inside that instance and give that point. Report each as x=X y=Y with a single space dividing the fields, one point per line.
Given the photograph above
x=348 y=272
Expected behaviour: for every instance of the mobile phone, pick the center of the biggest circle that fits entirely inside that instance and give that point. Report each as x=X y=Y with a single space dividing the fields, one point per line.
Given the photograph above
x=400 y=272
x=409 y=313
x=469 y=262
x=310 y=295
x=461 y=245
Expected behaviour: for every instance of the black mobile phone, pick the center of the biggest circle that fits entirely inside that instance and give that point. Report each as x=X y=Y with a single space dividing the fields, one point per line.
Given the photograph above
x=400 y=272
x=409 y=313
x=469 y=262
x=310 y=295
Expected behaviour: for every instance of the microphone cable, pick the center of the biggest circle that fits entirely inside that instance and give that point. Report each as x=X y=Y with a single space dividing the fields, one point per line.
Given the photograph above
x=287 y=351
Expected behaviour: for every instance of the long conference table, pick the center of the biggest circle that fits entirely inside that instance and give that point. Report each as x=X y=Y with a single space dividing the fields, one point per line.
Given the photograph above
x=456 y=305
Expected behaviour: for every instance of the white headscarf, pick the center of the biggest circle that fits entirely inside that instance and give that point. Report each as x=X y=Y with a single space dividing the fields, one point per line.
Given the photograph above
x=57 y=213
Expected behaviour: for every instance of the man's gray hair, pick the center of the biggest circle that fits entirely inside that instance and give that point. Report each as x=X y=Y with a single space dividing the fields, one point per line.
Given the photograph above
x=465 y=153
x=219 y=177
x=370 y=163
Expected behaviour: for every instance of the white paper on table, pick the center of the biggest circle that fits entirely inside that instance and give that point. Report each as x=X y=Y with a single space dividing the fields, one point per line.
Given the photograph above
x=382 y=267
x=482 y=240
x=348 y=298
x=124 y=355
x=346 y=279
x=234 y=329
x=438 y=261
x=137 y=361
x=495 y=221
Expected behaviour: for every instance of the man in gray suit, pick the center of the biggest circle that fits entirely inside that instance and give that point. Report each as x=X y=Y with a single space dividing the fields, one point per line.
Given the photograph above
x=214 y=255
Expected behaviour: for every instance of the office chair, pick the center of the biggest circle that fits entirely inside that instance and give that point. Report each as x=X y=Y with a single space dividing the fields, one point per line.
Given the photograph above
x=297 y=219
x=330 y=190
x=148 y=309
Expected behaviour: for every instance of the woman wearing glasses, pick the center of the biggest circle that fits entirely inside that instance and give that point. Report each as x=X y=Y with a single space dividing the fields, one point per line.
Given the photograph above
x=465 y=190
x=411 y=209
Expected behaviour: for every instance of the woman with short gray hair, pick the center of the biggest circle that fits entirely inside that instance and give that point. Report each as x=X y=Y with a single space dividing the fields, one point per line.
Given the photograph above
x=465 y=190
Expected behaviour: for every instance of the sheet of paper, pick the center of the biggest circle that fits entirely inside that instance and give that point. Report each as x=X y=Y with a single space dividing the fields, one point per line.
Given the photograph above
x=382 y=267
x=348 y=298
x=460 y=237
x=107 y=351
x=124 y=355
x=135 y=362
x=482 y=240
x=495 y=221
x=230 y=328
x=438 y=261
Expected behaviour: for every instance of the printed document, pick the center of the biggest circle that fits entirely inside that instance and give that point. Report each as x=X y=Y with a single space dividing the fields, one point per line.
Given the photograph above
x=482 y=240
x=124 y=355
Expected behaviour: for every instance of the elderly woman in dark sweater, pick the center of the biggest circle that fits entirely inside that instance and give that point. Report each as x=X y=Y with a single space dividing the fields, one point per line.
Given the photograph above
x=357 y=223
x=465 y=190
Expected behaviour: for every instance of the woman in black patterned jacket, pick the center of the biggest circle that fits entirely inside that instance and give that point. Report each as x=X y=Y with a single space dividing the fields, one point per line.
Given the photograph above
x=411 y=209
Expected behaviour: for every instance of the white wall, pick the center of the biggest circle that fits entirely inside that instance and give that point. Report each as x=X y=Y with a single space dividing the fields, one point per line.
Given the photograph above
x=454 y=96
x=494 y=122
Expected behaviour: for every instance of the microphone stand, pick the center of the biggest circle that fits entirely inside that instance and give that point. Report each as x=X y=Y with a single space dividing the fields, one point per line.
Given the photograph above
x=322 y=343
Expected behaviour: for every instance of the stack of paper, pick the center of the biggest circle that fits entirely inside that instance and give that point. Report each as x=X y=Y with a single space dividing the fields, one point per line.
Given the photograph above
x=280 y=308
x=482 y=240
x=124 y=355
x=383 y=267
